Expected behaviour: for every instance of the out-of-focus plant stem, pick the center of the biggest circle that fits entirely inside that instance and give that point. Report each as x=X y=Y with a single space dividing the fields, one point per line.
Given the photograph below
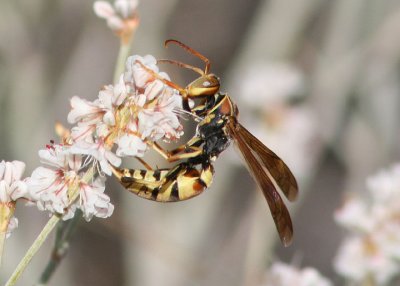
x=369 y=281
x=2 y=240
x=53 y=221
x=33 y=249
x=124 y=50
x=61 y=246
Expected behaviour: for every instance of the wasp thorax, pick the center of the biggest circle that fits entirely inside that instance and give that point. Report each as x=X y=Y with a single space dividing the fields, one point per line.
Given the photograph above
x=204 y=86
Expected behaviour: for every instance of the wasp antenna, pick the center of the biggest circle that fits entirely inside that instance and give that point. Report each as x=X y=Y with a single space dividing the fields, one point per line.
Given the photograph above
x=192 y=51
x=157 y=76
x=182 y=65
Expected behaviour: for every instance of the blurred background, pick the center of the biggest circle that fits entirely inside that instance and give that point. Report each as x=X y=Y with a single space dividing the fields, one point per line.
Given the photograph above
x=316 y=80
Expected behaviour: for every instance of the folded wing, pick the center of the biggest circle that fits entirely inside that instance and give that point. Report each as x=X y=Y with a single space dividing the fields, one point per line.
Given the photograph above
x=277 y=168
x=279 y=212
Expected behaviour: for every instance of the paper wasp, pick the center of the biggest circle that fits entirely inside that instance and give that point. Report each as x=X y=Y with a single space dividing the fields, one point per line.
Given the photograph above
x=217 y=127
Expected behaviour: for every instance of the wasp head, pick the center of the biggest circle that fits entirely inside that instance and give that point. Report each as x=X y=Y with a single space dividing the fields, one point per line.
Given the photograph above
x=206 y=85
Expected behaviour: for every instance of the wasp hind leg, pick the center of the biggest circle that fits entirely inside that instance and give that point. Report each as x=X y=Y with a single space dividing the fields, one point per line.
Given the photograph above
x=189 y=150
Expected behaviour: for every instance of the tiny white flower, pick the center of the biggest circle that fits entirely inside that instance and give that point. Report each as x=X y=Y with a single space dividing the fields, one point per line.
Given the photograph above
x=135 y=74
x=103 y=9
x=311 y=277
x=157 y=125
x=355 y=215
x=93 y=201
x=281 y=274
x=372 y=249
x=12 y=188
x=84 y=111
x=154 y=89
x=50 y=186
x=359 y=258
x=126 y=8
x=11 y=185
x=131 y=145
x=385 y=186
x=99 y=151
x=83 y=132
x=110 y=97
x=159 y=119
x=121 y=17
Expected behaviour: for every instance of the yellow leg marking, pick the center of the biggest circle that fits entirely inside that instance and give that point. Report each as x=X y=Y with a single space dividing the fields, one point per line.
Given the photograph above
x=177 y=154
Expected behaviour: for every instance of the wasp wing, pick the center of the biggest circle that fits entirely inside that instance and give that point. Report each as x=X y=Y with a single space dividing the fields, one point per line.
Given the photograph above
x=277 y=168
x=279 y=212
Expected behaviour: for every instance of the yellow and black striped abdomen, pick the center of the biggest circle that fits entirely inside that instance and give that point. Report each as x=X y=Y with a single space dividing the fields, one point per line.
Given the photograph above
x=166 y=185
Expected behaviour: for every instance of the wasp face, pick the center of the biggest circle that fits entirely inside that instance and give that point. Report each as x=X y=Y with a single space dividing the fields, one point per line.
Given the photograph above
x=205 y=85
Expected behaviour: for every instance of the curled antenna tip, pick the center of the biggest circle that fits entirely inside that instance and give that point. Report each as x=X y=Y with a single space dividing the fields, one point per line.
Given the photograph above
x=167 y=42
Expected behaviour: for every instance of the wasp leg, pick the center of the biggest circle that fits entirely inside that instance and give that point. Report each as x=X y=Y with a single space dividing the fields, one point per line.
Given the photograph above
x=189 y=150
x=144 y=163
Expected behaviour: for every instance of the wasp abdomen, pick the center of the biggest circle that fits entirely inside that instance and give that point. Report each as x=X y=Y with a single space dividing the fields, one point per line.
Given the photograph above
x=180 y=183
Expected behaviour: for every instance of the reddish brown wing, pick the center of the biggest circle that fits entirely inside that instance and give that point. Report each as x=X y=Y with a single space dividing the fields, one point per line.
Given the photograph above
x=277 y=168
x=279 y=212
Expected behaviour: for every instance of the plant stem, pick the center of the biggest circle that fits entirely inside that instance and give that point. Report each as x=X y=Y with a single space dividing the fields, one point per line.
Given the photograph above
x=33 y=249
x=124 y=50
x=2 y=240
x=61 y=246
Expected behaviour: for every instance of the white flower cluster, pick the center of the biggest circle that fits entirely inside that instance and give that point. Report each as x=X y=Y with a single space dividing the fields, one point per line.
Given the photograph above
x=281 y=274
x=121 y=122
x=121 y=18
x=372 y=249
x=51 y=186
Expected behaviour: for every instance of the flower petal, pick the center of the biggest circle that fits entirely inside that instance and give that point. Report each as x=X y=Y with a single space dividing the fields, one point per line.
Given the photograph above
x=103 y=9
